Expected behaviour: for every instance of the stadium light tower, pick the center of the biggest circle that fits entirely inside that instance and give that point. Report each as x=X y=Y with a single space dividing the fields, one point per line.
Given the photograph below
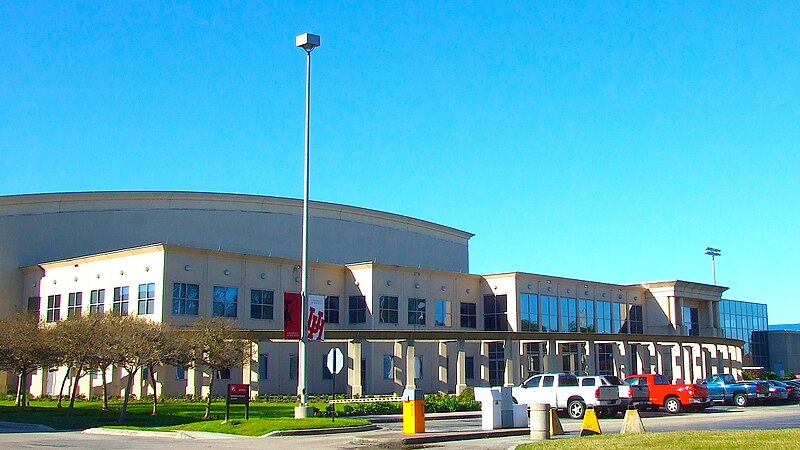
x=713 y=252
x=307 y=42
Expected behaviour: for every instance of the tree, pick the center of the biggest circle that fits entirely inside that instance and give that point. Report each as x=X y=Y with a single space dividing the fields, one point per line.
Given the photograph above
x=137 y=340
x=106 y=350
x=215 y=346
x=75 y=339
x=24 y=347
x=173 y=349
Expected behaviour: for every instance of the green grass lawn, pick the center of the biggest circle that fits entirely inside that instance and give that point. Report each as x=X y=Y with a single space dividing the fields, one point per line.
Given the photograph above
x=265 y=416
x=777 y=439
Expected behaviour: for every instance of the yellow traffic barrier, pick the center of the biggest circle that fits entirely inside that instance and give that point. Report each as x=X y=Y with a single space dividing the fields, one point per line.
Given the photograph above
x=555 y=424
x=590 y=425
x=413 y=411
x=632 y=422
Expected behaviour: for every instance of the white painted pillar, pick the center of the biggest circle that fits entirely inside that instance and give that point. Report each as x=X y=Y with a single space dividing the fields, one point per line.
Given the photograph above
x=354 y=381
x=461 y=367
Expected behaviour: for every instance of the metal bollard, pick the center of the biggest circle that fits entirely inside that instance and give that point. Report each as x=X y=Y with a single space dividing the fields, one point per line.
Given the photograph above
x=540 y=421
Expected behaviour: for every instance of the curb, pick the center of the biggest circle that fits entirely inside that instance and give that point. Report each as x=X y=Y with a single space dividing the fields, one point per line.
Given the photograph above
x=318 y=431
x=434 y=416
x=27 y=427
x=434 y=438
x=155 y=434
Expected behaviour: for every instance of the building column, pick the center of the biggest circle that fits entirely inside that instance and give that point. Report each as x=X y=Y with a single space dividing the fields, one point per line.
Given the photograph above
x=443 y=369
x=399 y=367
x=461 y=367
x=621 y=368
x=551 y=363
x=679 y=317
x=354 y=381
x=250 y=369
x=411 y=365
x=591 y=357
x=508 y=353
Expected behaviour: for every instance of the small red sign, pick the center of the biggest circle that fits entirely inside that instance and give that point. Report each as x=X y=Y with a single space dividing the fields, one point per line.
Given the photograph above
x=238 y=388
x=292 y=315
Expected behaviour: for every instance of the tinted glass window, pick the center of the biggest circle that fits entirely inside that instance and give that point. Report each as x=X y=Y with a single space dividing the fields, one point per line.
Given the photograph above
x=568 y=381
x=612 y=380
x=661 y=379
x=587 y=382
x=548 y=381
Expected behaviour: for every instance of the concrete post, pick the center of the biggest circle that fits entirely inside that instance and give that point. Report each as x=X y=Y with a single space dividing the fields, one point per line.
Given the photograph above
x=443 y=369
x=508 y=373
x=411 y=365
x=540 y=421
x=461 y=368
x=354 y=381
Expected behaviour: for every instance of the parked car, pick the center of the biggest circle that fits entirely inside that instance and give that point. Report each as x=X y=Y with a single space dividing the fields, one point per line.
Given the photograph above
x=672 y=397
x=628 y=395
x=724 y=388
x=792 y=394
x=563 y=391
x=777 y=393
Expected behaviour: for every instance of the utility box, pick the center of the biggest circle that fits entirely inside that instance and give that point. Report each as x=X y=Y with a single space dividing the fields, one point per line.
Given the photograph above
x=491 y=408
x=413 y=411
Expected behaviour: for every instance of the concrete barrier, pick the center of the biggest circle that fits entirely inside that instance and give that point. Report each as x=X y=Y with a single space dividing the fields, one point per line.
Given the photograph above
x=540 y=421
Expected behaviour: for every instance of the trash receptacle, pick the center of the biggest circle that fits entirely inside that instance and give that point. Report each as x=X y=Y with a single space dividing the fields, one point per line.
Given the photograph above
x=491 y=409
x=413 y=411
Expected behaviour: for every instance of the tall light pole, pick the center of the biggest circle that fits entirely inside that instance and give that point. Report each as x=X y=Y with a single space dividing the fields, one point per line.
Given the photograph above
x=307 y=42
x=713 y=252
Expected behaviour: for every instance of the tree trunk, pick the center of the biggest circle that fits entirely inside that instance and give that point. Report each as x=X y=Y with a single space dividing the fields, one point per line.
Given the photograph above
x=155 y=391
x=208 y=400
x=63 y=382
x=105 y=391
x=22 y=389
x=128 y=387
x=71 y=408
x=19 y=390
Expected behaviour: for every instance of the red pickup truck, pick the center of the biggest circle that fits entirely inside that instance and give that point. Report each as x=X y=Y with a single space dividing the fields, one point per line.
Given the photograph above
x=672 y=397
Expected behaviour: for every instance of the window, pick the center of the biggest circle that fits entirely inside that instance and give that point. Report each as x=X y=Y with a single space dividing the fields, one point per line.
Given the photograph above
x=533 y=358
x=418 y=367
x=587 y=382
x=332 y=309
x=53 y=308
x=605 y=359
x=603 y=317
x=180 y=373
x=33 y=305
x=586 y=315
x=691 y=321
x=494 y=313
x=416 y=311
x=185 y=299
x=357 y=309
x=549 y=313
x=569 y=314
x=74 y=304
x=570 y=358
x=469 y=367
x=97 y=301
x=497 y=363
x=442 y=314
x=388 y=309
x=225 y=301
x=263 y=366
x=469 y=315
x=120 y=301
x=292 y=367
x=224 y=374
x=388 y=367
x=262 y=304
x=528 y=312
x=618 y=317
x=548 y=381
x=636 y=319
x=147 y=298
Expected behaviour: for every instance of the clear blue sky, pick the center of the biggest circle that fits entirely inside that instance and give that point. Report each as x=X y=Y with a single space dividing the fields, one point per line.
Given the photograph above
x=606 y=141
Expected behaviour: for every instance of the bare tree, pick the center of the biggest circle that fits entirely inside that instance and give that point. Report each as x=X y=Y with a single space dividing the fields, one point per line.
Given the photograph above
x=173 y=349
x=217 y=349
x=106 y=350
x=24 y=347
x=75 y=338
x=137 y=340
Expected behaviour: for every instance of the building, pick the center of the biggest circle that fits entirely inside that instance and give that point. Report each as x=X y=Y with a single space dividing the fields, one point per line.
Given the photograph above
x=400 y=301
x=747 y=321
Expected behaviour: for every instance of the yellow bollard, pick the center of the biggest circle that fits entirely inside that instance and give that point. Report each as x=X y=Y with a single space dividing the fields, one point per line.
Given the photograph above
x=413 y=411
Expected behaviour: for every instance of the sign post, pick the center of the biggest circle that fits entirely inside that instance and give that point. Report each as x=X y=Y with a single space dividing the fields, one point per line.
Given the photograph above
x=238 y=394
x=335 y=363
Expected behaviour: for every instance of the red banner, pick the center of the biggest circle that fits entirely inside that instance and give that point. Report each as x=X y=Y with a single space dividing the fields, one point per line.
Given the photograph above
x=292 y=315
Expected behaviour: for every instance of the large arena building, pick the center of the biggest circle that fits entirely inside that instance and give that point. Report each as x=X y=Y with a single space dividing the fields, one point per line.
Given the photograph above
x=399 y=299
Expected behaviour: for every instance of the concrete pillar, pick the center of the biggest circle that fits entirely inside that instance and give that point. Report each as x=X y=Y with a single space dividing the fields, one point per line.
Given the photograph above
x=551 y=362
x=621 y=368
x=411 y=365
x=250 y=369
x=461 y=367
x=679 y=317
x=508 y=373
x=442 y=372
x=399 y=367
x=591 y=357
x=483 y=362
x=354 y=381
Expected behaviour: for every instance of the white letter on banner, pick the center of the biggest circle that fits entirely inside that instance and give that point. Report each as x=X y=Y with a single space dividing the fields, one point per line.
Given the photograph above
x=316 y=317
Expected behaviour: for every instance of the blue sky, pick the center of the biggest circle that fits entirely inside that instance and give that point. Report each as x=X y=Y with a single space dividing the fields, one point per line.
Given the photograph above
x=607 y=141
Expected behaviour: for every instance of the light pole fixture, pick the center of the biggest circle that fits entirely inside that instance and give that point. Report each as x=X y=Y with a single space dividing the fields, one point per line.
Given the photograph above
x=713 y=252
x=307 y=42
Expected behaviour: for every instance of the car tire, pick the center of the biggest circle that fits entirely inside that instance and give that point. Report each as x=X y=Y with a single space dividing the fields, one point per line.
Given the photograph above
x=576 y=409
x=672 y=405
x=740 y=400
